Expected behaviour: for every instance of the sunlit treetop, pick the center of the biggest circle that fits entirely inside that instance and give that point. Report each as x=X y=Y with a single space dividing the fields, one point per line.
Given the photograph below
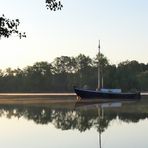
x=9 y=27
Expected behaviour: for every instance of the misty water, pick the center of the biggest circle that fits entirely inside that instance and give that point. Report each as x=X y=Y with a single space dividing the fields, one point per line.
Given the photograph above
x=65 y=123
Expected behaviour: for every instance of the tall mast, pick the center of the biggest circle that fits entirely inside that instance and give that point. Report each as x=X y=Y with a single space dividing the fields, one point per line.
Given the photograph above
x=99 y=73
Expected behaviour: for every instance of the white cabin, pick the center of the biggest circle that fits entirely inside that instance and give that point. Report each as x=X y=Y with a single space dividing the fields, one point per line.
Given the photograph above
x=111 y=90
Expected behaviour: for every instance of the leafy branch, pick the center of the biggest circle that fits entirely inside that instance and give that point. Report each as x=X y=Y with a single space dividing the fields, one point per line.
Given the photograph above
x=53 y=5
x=9 y=27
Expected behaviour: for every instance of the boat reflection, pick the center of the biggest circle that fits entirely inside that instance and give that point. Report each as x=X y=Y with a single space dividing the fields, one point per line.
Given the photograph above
x=100 y=107
x=103 y=103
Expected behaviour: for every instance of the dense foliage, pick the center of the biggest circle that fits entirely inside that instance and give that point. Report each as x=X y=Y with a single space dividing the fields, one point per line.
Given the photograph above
x=65 y=72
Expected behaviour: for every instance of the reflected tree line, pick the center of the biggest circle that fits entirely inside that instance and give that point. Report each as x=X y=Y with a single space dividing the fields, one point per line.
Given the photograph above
x=65 y=72
x=66 y=119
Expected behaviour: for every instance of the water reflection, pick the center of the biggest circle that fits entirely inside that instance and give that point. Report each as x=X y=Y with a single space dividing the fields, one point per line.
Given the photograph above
x=64 y=123
x=78 y=115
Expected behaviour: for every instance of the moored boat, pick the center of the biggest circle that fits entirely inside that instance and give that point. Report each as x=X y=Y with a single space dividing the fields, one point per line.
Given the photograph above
x=102 y=93
x=85 y=94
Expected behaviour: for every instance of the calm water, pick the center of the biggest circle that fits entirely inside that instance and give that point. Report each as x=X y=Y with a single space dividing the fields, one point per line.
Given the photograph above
x=69 y=124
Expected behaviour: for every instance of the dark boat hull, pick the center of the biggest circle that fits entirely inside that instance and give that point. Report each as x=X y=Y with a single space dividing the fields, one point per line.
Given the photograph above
x=85 y=94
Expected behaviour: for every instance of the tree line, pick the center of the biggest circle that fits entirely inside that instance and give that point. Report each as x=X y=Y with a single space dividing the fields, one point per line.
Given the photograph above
x=81 y=71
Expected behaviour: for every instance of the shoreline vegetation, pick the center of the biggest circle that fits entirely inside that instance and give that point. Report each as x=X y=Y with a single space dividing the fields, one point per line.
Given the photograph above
x=65 y=72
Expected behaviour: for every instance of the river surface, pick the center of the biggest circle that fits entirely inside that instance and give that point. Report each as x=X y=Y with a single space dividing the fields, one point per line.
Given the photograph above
x=62 y=122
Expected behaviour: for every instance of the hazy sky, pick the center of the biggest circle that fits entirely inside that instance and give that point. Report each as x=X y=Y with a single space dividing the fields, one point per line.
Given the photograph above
x=121 y=25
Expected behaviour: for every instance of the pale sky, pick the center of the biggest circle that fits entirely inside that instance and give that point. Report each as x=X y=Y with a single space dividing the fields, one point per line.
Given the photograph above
x=121 y=25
